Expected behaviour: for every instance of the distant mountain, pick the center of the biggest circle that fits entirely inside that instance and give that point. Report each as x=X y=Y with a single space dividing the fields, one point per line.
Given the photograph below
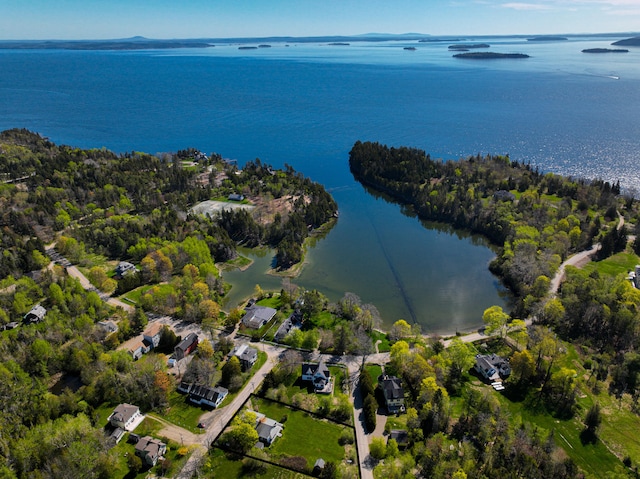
x=628 y=42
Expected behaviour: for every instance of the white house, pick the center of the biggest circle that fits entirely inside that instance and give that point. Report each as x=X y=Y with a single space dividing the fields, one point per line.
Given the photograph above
x=318 y=374
x=126 y=416
x=246 y=354
x=207 y=396
x=492 y=367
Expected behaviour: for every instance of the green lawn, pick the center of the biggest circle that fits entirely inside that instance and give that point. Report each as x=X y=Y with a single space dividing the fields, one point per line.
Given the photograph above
x=375 y=370
x=303 y=434
x=222 y=465
x=385 y=345
x=620 y=263
x=183 y=414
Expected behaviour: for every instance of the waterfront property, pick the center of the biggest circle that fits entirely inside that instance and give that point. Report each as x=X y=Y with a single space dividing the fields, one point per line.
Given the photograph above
x=492 y=367
x=257 y=316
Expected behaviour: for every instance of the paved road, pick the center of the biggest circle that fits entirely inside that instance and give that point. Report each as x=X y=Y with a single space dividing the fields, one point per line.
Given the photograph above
x=217 y=419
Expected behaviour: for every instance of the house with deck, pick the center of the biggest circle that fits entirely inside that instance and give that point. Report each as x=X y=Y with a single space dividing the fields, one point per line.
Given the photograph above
x=492 y=367
x=125 y=416
x=319 y=375
x=257 y=316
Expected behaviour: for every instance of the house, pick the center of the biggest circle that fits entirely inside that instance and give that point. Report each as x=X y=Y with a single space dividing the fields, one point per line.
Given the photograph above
x=186 y=346
x=393 y=394
x=116 y=435
x=319 y=376
x=504 y=195
x=492 y=367
x=184 y=387
x=268 y=429
x=150 y=450
x=288 y=325
x=138 y=348
x=401 y=437
x=35 y=315
x=125 y=416
x=152 y=335
x=257 y=316
x=124 y=268
x=235 y=197
x=108 y=327
x=207 y=396
x=246 y=354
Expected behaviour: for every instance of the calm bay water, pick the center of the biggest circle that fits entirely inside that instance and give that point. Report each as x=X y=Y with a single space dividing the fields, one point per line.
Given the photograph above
x=306 y=104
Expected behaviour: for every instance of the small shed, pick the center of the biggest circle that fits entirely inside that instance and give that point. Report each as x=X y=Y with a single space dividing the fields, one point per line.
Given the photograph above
x=318 y=467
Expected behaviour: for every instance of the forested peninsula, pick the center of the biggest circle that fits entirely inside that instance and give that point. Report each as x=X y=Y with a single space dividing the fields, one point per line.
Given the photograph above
x=127 y=206
x=536 y=219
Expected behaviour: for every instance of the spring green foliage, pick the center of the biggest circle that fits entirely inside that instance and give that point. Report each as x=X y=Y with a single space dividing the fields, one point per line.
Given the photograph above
x=538 y=219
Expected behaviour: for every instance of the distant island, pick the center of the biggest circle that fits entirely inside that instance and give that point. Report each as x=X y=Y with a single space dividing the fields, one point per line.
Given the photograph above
x=489 y=55
x=247 y=48
x=339 y=44
x=469 y=46
x=547 y=38
x=605 y=50
x=264 y=45
x=410 y=48
x=628 y=42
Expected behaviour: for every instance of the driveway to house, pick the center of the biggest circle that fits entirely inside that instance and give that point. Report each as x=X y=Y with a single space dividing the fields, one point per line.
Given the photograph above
x=216 y=420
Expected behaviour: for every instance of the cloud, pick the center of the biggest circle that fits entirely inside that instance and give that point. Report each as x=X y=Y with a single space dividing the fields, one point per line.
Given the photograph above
x=527 y=6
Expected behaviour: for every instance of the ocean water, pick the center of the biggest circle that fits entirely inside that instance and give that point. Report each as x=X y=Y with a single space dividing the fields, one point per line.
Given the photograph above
x=306 y=104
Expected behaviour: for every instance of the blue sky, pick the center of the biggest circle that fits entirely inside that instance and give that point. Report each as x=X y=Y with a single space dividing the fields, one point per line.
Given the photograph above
x=99 y=19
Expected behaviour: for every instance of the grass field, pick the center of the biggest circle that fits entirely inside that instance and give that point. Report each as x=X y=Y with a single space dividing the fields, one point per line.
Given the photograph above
x=303 y=434
x=231 y=468
x=183 y=414
x=620 y=263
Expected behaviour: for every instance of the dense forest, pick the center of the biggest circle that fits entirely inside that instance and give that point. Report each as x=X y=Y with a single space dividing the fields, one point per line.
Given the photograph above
x=127 y=206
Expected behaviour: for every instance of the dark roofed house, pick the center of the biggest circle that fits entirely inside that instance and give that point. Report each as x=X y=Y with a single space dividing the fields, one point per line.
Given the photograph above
x=207 y=396
x=257 y=316
x=36 y=314
x=150 y=450
x=246 y=355
x=124 y=268
x=319 y=375
x=393 y=394
x=401 y=437
x=492 y=367
x=186 y=346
